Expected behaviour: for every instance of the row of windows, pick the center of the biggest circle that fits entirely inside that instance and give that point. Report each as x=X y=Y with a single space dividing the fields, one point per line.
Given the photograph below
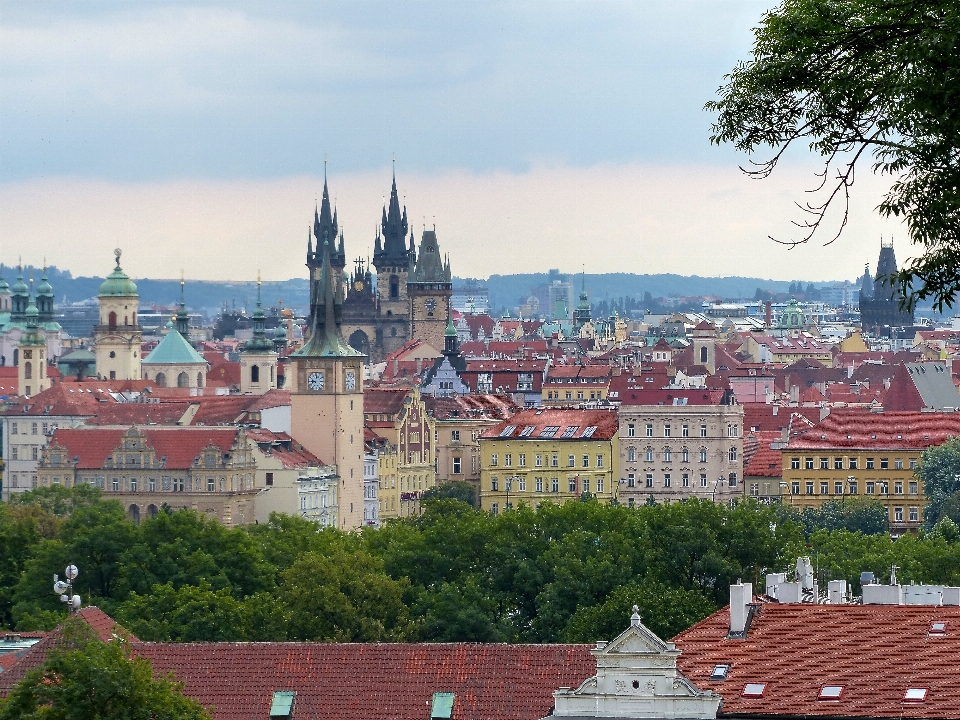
x=15 y=452
x=732 y=454
x=852 y=487
x=165 y=484
x=538 y=460
x=34 y=428
x=668 y=480
x=733 y=430
x=555 y=395
x=852 y=463
x=553 y=484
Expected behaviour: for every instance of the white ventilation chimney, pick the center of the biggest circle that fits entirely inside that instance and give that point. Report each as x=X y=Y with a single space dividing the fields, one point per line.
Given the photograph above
x=774 y=580
x=741 y=595
x=837 y=591
x=805 y=573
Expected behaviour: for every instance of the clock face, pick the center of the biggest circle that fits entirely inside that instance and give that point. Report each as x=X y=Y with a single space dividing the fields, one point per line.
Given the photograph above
x=351 y=380
x=431 y=304
x=315 y=380
x=358 y=285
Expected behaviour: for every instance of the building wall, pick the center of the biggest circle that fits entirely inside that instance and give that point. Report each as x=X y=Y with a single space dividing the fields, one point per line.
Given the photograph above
x=887 y=475
x=541 y=470
x=267 y=368
x=458 y=450
x=660 y=429
x=24 y=438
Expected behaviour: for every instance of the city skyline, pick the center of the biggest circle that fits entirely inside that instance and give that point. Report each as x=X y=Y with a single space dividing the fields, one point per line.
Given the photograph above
x=193 y=136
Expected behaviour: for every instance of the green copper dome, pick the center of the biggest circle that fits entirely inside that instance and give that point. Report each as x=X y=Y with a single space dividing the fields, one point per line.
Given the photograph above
x=44 y=288
x=20 y=287
x=4 y=287
x=118 y=283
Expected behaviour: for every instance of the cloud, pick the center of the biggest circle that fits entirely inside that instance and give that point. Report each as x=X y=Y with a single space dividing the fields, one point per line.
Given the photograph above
x=695 y=219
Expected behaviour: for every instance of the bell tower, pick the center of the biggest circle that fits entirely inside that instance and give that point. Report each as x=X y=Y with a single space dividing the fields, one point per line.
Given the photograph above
x=391 y=257
x=32 y=370
x=118 y=336
x=430 y=287
x=258 y=361
x=326 y=405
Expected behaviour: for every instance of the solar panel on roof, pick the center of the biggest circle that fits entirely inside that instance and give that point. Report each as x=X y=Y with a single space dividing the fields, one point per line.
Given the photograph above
x=570 y=431
x=508 y=431
x=589 y=431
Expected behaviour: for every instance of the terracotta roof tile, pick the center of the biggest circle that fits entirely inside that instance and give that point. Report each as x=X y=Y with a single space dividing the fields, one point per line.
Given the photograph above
x=864 y=429
x=605 y=422
x=180 y=445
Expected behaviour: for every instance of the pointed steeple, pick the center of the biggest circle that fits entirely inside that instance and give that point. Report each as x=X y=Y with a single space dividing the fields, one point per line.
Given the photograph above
x=182 y=323
x=260 y=343
x=394 y=227
x=325 y=224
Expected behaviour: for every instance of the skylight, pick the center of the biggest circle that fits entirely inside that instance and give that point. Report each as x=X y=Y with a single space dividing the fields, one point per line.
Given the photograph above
x=754 y=690
x=570 y=431
x=915 y=695
x=719 y=672
x=282 y=704
x=938 y=628
x=508 y=431
x=588 y=432
x=830 y=692
x=549 y=431
x=527 y=430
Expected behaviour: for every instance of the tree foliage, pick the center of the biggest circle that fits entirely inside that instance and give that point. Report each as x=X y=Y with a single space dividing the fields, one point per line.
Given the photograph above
x=87 y=679
x=454 y=490
x=939 y=472
x=861 y=81
x=865 y=515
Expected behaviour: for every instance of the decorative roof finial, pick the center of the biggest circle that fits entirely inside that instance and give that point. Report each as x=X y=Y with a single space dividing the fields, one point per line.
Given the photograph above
x=118 y=252
x=635 y=618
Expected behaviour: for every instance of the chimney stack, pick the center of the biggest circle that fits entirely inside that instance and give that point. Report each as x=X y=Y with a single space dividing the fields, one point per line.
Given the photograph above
x=741 y=595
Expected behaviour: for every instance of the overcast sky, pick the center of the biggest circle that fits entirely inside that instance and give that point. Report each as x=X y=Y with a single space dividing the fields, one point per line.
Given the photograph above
x=534 y=135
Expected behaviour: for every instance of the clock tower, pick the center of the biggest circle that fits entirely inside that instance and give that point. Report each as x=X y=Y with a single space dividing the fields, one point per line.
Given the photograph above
x=429 y=288
x=327 y=394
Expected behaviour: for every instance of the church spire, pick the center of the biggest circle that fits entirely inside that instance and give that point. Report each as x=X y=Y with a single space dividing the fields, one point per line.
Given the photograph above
x=394 y=227
x=182 y=322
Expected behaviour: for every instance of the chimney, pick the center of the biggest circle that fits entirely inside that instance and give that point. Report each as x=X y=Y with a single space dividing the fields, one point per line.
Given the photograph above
x=419 y=365
x=741 y=595
x=837 y=591
x=768 y=316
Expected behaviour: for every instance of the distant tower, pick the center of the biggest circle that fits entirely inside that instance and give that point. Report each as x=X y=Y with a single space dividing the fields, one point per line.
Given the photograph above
x=429 y=289
x=45 y=300
x=4 y=294
x=325 y=228
x=174 y=362
x=32 y=371
x=393 y=261
x=581 y=316
x=258 y=361
x=881 y=310
x=118 y=336
x=326 y=405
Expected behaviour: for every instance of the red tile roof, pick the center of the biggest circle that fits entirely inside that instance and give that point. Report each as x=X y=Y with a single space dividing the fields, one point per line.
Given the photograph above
x=282 y=447
x=373 y=681
x=630 y=392
x=464 y=407
x=605 y=422
x=270 y=399
x=385 y=401
x=762 y=460
x=875 y=652
x=761 y=416
x=180 y=445
x=857 y=428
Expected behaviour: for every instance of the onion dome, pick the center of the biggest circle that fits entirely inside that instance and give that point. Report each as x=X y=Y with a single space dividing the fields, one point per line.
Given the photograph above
x=118 y=283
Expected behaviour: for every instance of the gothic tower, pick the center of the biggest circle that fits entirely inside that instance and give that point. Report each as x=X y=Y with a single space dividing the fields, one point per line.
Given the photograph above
x=325 y=228
x=880 y=307
x=258 y=361
x=430 y=288
x=327 y=394
x=32 y=370
x=118 y=336
x=393 y=261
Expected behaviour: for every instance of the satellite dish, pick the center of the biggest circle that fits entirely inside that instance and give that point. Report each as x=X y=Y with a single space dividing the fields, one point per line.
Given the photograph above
x=59 y=587
x=75 y=602
x=71 y=572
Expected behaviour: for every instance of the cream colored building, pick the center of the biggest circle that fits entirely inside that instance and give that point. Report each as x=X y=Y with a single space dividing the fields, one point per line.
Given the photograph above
x=673 y=452
x=118 y=336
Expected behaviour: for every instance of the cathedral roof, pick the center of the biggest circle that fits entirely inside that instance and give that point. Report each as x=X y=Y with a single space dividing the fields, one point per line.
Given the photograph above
x=174 y=350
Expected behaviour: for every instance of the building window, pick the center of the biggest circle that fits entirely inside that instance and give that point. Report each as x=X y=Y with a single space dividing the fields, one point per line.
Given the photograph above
x=571 y=461
x=630 y=502
x=853 y=463
x=809 y=487
x=703 y=431
x=898 y=514
x=732 y=479
x=631 y=480
x=599 y=484
x=631 y=430
x=852 y=485
x=795 y=488
x=824 y=488
x=457 y=470
x=555 y=484
x=210 y=485
x=882 y=488
x=599 y=461
x=838 y=487
x=898 y=464
x=455 y=435
x=649 y=480
x=538 y=461
x=870 y=488
x=585 y=484
x=685 y=455
x=649 y=454
x=152 y=484
x=13 y=428
x=869 y=464
x=703 y=480
x=586 y=461
x=572 y=484
x=703 y=455
x=824 y=463
x=913 y=487
x=631 y=454
x=913 y=463
x=838 y=463
x=115 y=484
x=884 y=463
x=684 y=430
x=755 y=489
x=649 y=429
x=898 y=488
x=13 y=452
x=666 y=480
x=507 y=459
x=794 y=463
x=666 y=430
x=914 y=514
x=667 y=457
x=554 y=461
x=495 y=508
x=493 y=460
x=685 y=479
x=808 y=463
x=539 y=482
x=521 y=484
x=494 y=484
x=733 y=454
x=133 y=484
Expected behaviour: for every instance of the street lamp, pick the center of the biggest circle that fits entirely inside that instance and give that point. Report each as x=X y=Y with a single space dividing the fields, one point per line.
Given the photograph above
x=65 y=589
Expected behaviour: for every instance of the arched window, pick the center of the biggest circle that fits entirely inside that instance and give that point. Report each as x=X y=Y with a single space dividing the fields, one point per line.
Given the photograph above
x=255 y=374
x=703 y=354
x=28 y=370
x=112 y=320
x=703 y=455
x=134 y=513
x=666 y=454
x=631 y=454
x=183 y=380
x=161 y=380
x=685 y=455
x=733 y=454
x=394 y=287
x=151 y=511
x=199 y=379
x=649 y=454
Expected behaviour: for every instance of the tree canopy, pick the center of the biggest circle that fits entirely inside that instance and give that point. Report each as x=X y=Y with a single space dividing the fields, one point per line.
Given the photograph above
x=861 y=81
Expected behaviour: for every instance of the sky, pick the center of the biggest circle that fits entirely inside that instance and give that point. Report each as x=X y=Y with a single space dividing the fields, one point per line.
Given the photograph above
x=532 y=135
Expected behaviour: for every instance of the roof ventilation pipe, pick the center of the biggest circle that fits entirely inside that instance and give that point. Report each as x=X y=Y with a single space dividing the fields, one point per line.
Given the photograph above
x=741 y=595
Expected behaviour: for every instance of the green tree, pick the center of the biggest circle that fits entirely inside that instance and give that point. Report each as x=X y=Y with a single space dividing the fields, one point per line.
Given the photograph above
x=87 y=679
x=188 y=614
x=664 y=610
x=453 y=490
x=59 y=500
x=856 y=79
x=865 y=515
x=459 y=612
x=950 y=508
x=23 y=528
x=939 y=471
